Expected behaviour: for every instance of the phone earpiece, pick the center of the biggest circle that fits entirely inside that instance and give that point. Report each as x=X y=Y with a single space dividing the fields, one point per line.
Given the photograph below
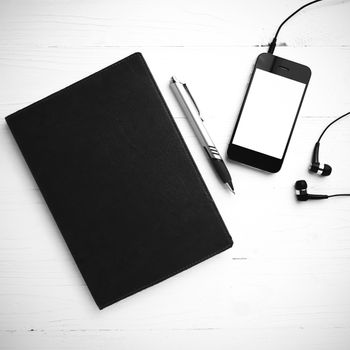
x=320 y=169
x=301 y=192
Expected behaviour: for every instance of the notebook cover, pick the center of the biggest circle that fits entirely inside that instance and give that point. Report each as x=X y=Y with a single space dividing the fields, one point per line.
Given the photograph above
x=119 y=180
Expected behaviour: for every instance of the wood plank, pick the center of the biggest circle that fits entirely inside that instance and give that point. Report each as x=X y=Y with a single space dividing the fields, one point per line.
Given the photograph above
x=168 y=23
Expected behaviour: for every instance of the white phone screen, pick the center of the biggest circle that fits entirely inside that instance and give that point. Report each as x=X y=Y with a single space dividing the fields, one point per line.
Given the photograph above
x=268 y=114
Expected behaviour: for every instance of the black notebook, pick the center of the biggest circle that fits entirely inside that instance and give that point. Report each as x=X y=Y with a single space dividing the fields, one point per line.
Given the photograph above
x=119 y=180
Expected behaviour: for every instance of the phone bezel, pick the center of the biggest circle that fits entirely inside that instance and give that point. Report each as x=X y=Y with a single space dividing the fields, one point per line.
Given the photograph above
x=284 y=68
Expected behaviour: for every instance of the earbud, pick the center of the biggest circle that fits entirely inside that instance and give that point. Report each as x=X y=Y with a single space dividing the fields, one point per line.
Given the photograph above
x=320 y=169
x=316 y=167
x=301 y=192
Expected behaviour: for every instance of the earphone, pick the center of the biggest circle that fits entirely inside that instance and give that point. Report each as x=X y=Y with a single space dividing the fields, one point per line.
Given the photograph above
x=302 y=195
x=317 y=168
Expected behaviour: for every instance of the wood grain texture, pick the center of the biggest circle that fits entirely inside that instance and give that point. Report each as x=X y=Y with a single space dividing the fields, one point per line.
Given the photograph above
x=285 y=283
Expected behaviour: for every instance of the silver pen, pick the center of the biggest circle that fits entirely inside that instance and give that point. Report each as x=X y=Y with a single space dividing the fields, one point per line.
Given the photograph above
x=193 y=114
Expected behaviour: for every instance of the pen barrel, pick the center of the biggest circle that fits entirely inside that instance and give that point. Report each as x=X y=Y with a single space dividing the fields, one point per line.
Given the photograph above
x=192 y=114
x=221 y=169
x=212 y=152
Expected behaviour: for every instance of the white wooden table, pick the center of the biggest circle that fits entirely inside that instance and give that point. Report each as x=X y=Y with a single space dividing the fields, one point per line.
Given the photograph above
x=285 y=284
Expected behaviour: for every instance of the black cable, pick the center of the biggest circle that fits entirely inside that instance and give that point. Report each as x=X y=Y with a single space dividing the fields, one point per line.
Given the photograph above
x=334 y=121
x=339 y=195
x=318 y=141
x=272 y=45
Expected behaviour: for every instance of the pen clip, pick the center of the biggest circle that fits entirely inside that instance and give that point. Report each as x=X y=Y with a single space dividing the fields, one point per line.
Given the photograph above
x=191 y=97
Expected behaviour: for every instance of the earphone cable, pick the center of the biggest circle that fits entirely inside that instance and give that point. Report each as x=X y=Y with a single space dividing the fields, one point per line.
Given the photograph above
x=272 y=45
x=334 y=121
x=339 y=195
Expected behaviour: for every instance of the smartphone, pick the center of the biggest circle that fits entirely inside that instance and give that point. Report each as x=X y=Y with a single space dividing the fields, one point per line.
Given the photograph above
x=269 y=112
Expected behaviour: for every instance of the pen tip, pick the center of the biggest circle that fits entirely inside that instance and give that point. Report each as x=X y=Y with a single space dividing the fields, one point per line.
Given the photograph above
x=230 y=186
